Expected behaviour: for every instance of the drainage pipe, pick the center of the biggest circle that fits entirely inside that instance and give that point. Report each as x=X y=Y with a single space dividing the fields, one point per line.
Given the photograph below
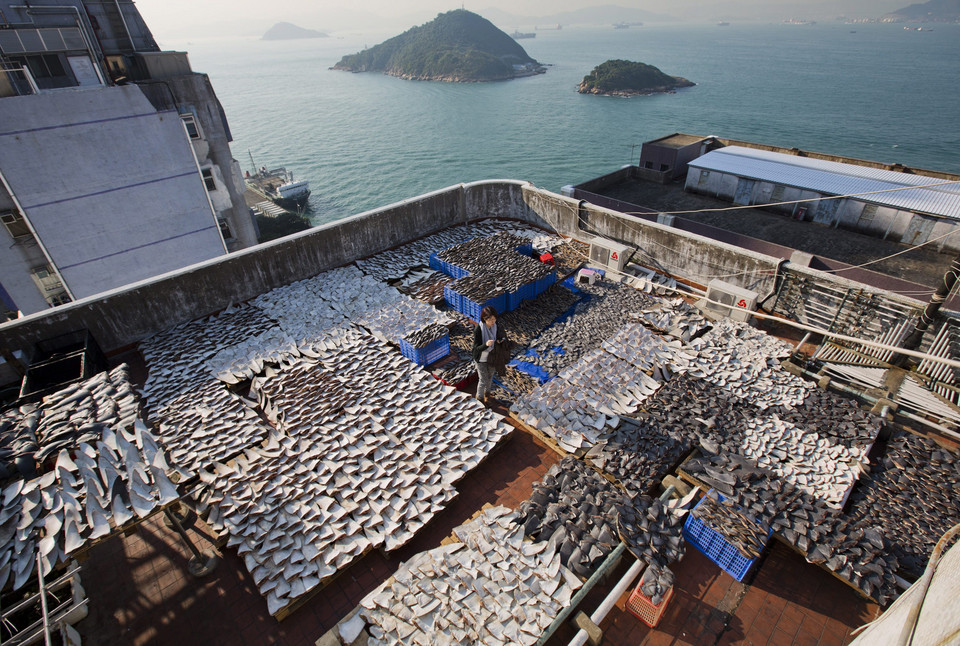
x=625 y=582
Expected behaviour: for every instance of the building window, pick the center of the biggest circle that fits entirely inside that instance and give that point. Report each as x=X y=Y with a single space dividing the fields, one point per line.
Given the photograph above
x=16 y=225
x=208 y=180
x=49 y=285
x=664 y=168
x=225 y=229
x=704 y=174
x=48 y=70
x=648 y=164
x=193 y=128
x=60 y=298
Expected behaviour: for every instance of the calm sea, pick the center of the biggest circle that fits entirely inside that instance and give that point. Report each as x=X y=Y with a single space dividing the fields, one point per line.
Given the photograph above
x=876 y=92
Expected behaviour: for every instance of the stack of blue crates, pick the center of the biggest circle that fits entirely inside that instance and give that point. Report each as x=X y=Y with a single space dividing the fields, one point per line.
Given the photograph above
x=503 y=303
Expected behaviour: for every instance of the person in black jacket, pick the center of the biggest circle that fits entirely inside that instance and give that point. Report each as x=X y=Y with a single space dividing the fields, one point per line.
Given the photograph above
x=486 y=337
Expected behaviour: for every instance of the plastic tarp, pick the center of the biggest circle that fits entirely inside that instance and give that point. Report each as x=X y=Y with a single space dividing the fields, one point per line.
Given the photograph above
x=938 y=623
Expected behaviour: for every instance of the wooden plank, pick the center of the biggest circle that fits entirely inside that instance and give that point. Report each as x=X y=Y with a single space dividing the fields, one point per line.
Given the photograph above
x=540 y=435
x=452 y=538
x=687 y=476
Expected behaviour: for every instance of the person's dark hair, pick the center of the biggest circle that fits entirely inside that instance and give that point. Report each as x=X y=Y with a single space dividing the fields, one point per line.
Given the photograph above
x=488 y=312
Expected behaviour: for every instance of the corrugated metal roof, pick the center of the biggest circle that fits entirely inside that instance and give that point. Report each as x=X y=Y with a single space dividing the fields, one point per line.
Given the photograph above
x=835 y=178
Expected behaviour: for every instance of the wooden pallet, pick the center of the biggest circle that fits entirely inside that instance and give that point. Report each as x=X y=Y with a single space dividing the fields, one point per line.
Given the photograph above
x=686 y=476
x=823 y=566
x=301 y=601
x=452 y=538
x=540 y=435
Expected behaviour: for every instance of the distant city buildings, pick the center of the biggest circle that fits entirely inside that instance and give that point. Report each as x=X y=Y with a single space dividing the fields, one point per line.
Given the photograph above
x=115 y=163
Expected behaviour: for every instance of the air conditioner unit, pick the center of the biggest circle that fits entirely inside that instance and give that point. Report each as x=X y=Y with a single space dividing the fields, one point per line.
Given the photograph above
x=610 y=254
x=734 y=302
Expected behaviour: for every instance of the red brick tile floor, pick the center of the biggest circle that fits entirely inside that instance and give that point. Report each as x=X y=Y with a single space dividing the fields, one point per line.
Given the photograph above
x=789 y=603
x=141 y=593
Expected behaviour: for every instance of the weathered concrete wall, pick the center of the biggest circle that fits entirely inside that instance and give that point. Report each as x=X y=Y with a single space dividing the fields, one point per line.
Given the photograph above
x=195 y=94
x=129 y=314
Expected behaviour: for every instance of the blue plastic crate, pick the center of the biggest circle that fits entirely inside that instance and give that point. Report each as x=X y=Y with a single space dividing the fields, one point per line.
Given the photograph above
x=525 y=249
x=452 y=298
x=472 y=309
x=515 y=298
x=436 y=263
x=716 y=547
x=544 y=283
x=429 y=353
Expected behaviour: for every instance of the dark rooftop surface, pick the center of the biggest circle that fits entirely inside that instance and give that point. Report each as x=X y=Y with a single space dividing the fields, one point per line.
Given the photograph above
x=679 y=140
x=924 y=265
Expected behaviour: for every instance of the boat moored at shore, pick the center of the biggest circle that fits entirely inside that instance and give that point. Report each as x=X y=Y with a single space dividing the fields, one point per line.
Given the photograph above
x=279 y=186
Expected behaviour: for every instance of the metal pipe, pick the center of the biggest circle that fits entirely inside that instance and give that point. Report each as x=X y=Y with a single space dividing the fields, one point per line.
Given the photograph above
x=183 y=534
x=950 y=279
x=133 y=45
x=873 y=400
x=43 y=602
x=638 y=566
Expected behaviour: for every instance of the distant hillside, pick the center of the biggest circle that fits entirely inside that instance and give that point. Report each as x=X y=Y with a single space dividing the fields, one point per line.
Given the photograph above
x=288 y=31
x=626 y=78
x=455 y=46
x=932 y=11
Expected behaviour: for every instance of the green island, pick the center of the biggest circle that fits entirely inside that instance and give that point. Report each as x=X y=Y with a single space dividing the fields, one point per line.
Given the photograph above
x=456 y=46
x=627 y=78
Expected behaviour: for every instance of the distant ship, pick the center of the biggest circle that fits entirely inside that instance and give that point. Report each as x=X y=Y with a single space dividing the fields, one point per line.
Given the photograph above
x=620 y=25
x=558 y=27
x=798 y=21
x=723 y=23
x=517 y=35
x=278 y=186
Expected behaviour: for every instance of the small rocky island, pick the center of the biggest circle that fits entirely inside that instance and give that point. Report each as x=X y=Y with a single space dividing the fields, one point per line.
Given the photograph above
x=457 y=46
x=626 y=78
x=289 y=31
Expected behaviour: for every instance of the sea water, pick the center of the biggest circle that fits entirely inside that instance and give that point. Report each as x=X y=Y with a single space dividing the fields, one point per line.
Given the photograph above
x=871 y=91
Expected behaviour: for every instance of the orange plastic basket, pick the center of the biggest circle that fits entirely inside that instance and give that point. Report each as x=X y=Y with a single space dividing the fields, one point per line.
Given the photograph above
x=641 y=606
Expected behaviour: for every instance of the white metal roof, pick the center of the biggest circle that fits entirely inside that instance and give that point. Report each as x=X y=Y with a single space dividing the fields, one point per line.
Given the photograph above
x=835 y=178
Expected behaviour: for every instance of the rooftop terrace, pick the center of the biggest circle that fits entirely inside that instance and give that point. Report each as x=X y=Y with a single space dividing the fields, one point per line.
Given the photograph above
x=321 y=459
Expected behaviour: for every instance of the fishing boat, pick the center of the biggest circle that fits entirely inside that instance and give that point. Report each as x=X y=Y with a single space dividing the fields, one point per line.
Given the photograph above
x=517 y=34
x=278 y=186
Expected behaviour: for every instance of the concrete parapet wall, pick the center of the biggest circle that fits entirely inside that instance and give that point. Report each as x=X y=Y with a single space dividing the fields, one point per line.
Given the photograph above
x=686 y=255
x=127 y=315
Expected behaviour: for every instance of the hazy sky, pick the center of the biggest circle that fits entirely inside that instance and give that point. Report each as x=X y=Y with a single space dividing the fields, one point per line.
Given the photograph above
x=173 y=19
